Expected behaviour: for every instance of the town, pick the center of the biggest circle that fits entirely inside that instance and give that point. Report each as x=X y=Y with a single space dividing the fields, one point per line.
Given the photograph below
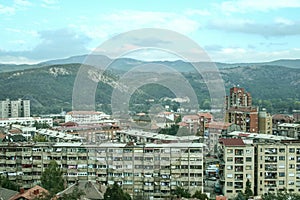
x=250 y=153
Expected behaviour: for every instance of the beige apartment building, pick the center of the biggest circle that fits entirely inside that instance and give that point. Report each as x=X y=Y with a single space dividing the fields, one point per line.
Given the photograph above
x=236 y=167
x=278 y=167
x=154 y=170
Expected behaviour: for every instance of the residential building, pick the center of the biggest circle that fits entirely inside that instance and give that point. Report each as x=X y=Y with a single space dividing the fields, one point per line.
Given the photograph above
x=154 y=170
x=239 y=110
x=87 y=117
x=265 y=122
x=26 y=121
x=236 y=167
x=14 y=108
x=214 y=131
x=30 y=194
x=289 y=130
x=275 y=163
x=278 y=167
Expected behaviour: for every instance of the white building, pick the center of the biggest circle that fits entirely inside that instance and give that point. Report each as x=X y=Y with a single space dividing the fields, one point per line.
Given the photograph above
x=86 y=117
x=26 y=121
x=16 y=108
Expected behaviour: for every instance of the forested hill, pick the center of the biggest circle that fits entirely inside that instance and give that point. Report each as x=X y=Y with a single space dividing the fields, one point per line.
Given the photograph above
x=50 y=87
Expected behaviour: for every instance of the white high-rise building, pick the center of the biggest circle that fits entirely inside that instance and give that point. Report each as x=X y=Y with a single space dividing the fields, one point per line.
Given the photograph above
x=15 y=108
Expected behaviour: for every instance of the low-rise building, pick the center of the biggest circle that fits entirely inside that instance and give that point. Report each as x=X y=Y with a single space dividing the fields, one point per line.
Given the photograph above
x=289 y=130
x=26 y=121
x=87 y=117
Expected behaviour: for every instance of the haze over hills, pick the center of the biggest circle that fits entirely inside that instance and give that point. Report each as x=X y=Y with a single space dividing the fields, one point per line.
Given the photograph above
x=124 y=64
x=50 y=87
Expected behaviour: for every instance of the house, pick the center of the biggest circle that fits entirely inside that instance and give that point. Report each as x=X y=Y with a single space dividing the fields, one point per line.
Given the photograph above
x=92 y=190
x=30 y=194
x=6 y=194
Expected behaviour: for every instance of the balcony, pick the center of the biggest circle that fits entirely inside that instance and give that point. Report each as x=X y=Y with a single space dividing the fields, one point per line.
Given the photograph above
x=238 y=185
x=239 y=169
x=269 y=159
x=271 y=175
x=238 y=160
x=239 y=177
x=270 y=167
x=271 y=151
x=239 y=152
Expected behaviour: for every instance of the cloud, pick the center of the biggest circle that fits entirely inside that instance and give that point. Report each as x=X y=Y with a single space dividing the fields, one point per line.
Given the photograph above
x=17 y=5
x=191 y=12
x=50 y=4
x=126 y=20
x=230 y=55
x=279 y=27
x=54 y=44
x=7 y=10
x=245 y=6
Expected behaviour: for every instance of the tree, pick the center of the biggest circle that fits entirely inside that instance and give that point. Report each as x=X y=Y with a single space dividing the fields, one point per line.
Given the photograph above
x=281 y=195
x=248 y=191
x=240 y=196
x=52 y=179
x=115 y=192
x=199 y=195
x=6 y=183
x=181 y=192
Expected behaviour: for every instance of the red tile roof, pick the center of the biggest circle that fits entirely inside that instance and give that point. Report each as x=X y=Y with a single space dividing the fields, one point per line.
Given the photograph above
x=218 y=125
x=232 y=141
x=206 y=115
x=30 y=194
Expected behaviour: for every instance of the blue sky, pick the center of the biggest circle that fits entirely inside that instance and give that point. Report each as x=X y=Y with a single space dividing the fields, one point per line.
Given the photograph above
x=229 y=31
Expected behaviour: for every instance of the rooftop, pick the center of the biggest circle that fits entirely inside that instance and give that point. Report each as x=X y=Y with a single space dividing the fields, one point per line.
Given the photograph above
x=232 y=141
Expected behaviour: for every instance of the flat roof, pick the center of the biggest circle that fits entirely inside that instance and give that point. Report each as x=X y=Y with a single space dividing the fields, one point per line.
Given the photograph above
x=158 y=136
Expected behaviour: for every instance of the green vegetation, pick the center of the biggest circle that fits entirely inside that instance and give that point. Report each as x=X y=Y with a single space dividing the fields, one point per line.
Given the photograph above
x=199 y=195
x=115 y=192
x=281 y=196
x=247 y=194
x=6 y=183
x=50 y=88
x=52 y=179
x=181 y=192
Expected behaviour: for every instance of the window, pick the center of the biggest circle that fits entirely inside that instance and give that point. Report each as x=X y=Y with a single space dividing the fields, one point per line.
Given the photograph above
x=281 y=150
x=281 y=157
x=281 y=182
x=292 y=158
x=229 y=184
x=229 y=159
x=248 y=167
x=291 y=166
x=281 y=174
x=248 y=159
x=292 y=150
x=291 y=174
x=229 y=151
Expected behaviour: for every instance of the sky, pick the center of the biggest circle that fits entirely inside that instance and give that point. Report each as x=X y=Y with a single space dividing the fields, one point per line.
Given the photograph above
x=228 y=31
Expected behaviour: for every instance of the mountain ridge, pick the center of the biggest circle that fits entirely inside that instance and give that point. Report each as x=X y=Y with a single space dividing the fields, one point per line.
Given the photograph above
x=123 y=64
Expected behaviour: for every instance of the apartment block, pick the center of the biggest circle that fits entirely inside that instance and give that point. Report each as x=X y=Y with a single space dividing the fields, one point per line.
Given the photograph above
x=278 y=167
x=265 y=122
x=14 y=108
x=154 y=170
x=236 y=166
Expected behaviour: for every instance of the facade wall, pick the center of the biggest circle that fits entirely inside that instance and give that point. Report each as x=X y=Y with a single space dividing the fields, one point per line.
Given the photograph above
x=155 y=170
x=16 y=108
x=278 y=167
x=236 y=168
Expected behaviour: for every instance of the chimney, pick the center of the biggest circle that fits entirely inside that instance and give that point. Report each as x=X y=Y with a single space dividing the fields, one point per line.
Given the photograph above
x=22 y=190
